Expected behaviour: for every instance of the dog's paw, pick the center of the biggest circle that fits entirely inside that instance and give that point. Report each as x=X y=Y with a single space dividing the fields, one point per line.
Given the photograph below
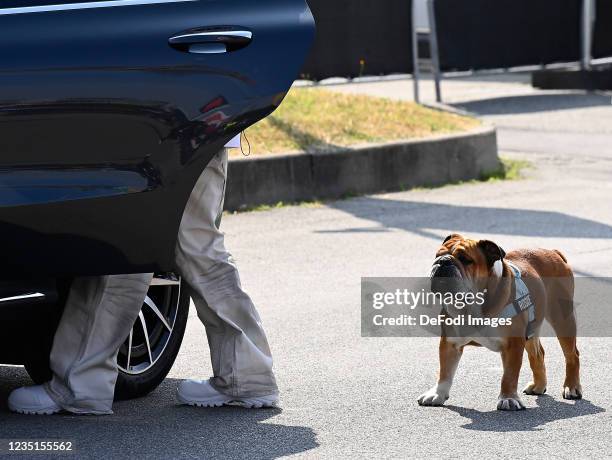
x=572 y=392
x=510 y=404
x=433 y=397
x=533 y=389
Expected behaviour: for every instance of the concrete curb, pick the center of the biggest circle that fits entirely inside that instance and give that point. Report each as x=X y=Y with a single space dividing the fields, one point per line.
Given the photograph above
x=597 y=79
x=372 y=168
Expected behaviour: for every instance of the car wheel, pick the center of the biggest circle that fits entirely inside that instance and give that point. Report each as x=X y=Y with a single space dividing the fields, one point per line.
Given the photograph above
x=149 y=351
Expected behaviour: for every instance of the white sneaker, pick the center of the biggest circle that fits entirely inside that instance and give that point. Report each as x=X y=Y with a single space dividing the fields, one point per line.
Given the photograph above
x=202 y=394
x=32 y=400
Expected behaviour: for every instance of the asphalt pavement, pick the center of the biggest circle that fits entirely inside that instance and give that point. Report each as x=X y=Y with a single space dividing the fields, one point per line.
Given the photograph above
x=344 y=396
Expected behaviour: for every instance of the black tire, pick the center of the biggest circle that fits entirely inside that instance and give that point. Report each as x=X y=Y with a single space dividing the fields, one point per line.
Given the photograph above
x=37 y=355
x=172 y=298
x=40 y=340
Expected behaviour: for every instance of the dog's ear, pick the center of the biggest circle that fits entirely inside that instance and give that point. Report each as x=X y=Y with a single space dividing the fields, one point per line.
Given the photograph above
x=452 y=236
x=492 y=251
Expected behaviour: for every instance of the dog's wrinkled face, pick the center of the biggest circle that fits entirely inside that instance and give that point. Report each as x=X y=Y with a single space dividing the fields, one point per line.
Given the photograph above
x=469 y=262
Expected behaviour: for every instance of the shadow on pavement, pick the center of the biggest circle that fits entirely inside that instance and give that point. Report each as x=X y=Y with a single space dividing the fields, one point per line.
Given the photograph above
x=157 y=427
x=419 y=218
x=532 y=419
x=533 y=103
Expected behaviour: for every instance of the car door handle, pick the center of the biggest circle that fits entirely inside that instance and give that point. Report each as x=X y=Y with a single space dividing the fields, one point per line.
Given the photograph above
x=208 y=41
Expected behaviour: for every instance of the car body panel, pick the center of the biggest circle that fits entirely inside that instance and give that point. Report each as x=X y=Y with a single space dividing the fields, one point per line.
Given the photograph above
x=105 y=127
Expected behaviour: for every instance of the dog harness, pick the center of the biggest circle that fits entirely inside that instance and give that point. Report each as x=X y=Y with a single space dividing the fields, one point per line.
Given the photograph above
x=522 y=302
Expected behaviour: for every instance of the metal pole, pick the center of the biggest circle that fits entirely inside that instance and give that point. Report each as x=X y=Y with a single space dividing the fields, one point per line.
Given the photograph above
x=433 y=46
x=416 y=73
x=586 y=31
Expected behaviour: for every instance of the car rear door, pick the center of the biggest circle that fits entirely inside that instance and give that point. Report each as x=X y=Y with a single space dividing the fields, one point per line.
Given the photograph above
x=110 y=110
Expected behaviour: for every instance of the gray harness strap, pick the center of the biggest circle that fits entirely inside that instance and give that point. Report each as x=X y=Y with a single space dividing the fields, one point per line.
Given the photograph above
x=522 y=301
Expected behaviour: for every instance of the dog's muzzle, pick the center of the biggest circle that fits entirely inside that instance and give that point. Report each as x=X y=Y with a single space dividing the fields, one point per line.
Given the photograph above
x=444 y=267
x=445 y=275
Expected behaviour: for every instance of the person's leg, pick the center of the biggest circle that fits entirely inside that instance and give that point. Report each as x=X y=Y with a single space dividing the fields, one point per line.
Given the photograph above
x=240 y=354
x=98 y=316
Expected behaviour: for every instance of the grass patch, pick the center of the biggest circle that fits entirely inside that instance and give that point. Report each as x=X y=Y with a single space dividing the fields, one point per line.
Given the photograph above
x=313 y=119
x=280 y=204
x=510 y=170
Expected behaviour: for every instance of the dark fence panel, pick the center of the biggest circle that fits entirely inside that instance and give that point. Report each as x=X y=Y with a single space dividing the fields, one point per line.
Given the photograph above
x=360 y=37
x=602 y=44
x=491 y=34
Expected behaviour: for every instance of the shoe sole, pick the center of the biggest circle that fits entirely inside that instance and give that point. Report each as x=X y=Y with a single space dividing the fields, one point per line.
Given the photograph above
x=249 y=403
x=35 y=412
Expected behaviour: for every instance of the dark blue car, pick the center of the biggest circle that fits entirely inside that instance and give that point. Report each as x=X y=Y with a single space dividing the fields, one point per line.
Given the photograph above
x=109 y=112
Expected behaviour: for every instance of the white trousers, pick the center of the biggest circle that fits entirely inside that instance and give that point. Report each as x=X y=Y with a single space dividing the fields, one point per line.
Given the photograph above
x=100 y=312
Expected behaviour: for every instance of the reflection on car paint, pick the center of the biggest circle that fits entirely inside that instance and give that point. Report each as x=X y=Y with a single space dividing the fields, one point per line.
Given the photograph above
x=102 y=132
x=31 y=186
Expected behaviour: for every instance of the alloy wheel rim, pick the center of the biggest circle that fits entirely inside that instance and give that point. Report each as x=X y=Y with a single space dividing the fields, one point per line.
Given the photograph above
x=152 y=330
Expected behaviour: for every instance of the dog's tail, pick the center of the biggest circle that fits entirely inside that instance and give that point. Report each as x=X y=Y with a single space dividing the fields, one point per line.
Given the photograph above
x=561 y=255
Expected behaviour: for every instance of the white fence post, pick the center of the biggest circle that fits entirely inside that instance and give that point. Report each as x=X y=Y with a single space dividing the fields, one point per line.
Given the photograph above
x=586 y=32
x=416 y=72
x=435 y=51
